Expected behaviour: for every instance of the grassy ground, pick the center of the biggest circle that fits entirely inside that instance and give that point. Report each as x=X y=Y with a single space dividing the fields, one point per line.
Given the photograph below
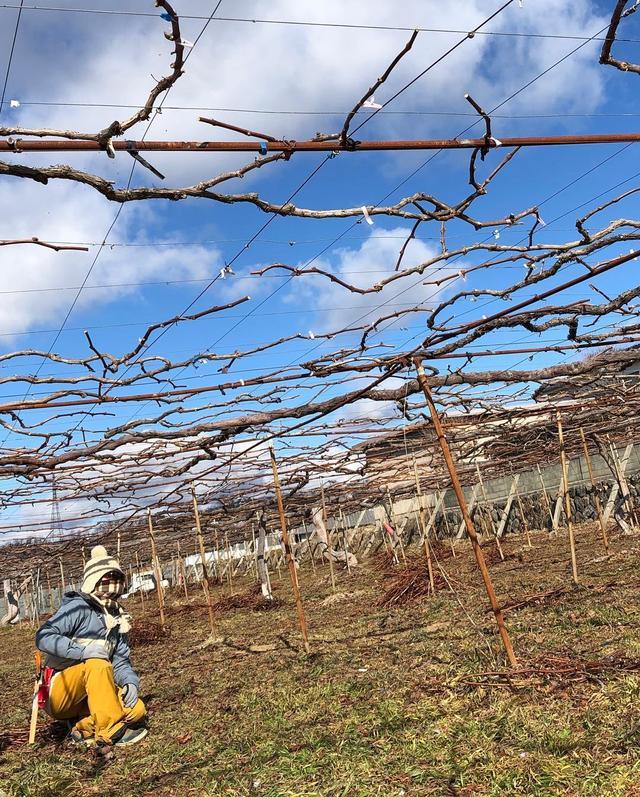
x=402 y=700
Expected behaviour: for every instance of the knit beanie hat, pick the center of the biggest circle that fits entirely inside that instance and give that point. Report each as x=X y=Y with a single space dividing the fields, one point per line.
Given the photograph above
x=98 y=565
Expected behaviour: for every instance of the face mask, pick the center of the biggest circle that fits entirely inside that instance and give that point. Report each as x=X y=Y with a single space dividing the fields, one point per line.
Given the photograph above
x=110 y=587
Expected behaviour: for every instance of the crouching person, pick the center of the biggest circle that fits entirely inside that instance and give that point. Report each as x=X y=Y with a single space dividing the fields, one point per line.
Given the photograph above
x=88 y=677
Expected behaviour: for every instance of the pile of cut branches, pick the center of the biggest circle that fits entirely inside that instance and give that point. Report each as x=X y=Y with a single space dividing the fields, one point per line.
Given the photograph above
x=412 y=581
x=250 y=599
x=146 y=632
x=560 y=669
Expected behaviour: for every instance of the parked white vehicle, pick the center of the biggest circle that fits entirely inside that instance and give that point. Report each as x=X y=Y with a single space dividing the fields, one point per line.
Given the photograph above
x=144 y=582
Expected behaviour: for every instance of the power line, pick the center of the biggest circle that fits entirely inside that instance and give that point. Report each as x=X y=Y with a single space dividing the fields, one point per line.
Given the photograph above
x=117 y=215
x=272 y=217
x=435 y=154
x=11 y=51
x=311 y=24
x=343 y=113
x=281 y=242
x=167 y=283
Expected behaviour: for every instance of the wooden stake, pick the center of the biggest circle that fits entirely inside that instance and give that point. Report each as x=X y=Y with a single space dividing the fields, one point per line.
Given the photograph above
x=524 y=519
x=425 y=532
x=311 y=556
x=622 y=482
x=229 y=568
x=567 y=499
x=205 y=572
x=448 y=529
x=61 y=579
x=34 y=703
x=217 y=569
x=50 y=591
x=488 y=509
x=345 y=543
x=260 y=544
x=471 y=531
x=603 y=525
x=31 y=609
x=156 y=569
x=35 y=590
x=329 y=545
x=394 y=524
x=255 y=559
x=545 y=495
x=183 y=572
x=289 y=554
x=141 y=582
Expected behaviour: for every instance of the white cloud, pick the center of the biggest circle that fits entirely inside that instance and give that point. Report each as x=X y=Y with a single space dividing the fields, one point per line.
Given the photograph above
x=111 y=59
x=374 y=260
x=237 y=65
x=68 y=213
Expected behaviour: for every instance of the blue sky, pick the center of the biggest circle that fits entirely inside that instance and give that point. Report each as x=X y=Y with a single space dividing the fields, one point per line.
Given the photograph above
x=159 y=255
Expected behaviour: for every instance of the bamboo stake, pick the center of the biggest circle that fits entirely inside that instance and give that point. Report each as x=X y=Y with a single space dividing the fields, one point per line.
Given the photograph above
x=471 y=532
x=205 y=572
x=141 y=583
x=544 y=495
x=50 y=591
x=394 y=523
x=345 y=543
x=156 y=569
x=311 y=556
x=486 y=502
x=34 y=703
x=448 y=530
x=260 y=556
x=118 y=546
x=38 y=596
x=425 y=534
x=524 y=519
x=290 y=560
x=624 y=487
x=32 y=611
x=386 y=543
x=229 y=568
x=567 y=499
x=217 y=570
x=329 y=545
x=253 y=543
x=603 y=525
x=183 y=572
x=61 y=579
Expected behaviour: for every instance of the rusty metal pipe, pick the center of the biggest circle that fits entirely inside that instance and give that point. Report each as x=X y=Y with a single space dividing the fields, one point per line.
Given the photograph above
x=64 y=145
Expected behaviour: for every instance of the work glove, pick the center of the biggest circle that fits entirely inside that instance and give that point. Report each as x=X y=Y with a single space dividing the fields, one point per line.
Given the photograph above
x=129 y=695
x=95 y=650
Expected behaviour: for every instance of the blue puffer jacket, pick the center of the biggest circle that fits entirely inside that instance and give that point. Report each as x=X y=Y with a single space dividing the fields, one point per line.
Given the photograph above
x=82 y=619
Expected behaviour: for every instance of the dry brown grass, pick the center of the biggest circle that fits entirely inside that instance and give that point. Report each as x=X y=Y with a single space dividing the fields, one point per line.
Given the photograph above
x=410 y=699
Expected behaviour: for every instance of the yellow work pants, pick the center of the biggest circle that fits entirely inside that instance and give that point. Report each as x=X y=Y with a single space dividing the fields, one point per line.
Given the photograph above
x=87 y=693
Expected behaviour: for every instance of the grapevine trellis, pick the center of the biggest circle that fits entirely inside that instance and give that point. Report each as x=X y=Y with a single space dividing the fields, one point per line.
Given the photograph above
x=215 y=438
